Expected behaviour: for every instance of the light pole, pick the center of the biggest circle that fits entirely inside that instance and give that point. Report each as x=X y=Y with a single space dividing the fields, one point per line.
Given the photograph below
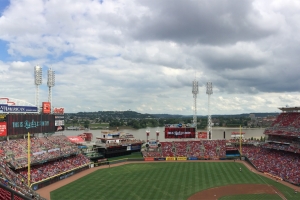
x=209 y=91
x=195 y=91
x=50 y=84
x=38 y=71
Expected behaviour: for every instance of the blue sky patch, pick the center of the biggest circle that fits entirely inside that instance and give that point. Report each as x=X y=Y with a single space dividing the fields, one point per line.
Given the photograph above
x=4 y=56
x=3 y=5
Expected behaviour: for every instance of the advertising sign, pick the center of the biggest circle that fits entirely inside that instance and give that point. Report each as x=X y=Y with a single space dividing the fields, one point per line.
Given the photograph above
x=17 y=109
x=160 y=159
x=75 y=139
x=202 y=135
x=2 y=117
x=170 y=158
x=46 y=107
x=59 y=111
x=149 y=159
x=181 y=158
x=59 y=122
x=177 y=132
x=3 y=131
x=20 y=124
x=59 y=128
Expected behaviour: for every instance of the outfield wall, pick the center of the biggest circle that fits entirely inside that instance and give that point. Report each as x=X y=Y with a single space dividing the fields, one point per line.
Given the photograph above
x=61 y=176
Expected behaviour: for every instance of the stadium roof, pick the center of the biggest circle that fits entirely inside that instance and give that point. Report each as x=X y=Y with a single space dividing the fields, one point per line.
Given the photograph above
x=290 y=109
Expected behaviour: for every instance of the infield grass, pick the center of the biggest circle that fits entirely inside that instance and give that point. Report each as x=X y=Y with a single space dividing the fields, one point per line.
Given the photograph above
x=173 y=180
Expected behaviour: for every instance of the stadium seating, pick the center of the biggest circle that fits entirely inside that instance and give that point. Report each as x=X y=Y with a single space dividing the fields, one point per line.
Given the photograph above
x=42 y=150
x=279 y=163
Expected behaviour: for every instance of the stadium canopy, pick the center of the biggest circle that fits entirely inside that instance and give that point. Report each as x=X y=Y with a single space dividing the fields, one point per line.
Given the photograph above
x=289 y=109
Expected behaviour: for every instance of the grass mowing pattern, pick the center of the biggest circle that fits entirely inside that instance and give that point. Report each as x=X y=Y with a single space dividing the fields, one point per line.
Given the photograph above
x=161 y=181
x=252 y=197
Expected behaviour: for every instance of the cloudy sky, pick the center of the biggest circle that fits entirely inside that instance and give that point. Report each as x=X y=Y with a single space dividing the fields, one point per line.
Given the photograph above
x=143 y=55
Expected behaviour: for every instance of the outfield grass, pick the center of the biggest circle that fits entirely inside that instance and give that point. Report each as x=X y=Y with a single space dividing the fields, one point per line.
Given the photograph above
x=163 y=181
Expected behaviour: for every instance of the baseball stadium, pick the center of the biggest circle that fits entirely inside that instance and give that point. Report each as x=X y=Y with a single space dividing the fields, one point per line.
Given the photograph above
x=38 y=163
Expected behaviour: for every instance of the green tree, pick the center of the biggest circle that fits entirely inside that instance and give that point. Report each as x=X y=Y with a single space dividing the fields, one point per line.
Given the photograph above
x=86 y=124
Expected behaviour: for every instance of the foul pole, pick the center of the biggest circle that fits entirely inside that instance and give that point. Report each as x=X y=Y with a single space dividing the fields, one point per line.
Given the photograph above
x=28 y=156
x=241 y=140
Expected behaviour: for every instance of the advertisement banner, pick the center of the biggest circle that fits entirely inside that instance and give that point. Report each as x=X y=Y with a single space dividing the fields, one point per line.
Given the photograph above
x=17 y=109
x=202 y=135
x=46 y=107
x=149 y=159
x=59 y=128
x=59 y=111
x=56 y=149
x=192 y=158
x=59 y=117
x=59 y=122
x=160 y=159
x=180 y=132
x=75 y=139
x=39 y=153
x=170 y=158
x=181 y=158
x=3 y=131
x=21 y=124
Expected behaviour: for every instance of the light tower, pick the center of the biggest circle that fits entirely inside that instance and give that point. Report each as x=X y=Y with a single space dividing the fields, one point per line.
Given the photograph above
x=209 y=91
x=195 y=92
x=37 y=81
x=50 y=84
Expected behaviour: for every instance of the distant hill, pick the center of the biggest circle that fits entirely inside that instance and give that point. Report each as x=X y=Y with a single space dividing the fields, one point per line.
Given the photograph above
x=136 y=115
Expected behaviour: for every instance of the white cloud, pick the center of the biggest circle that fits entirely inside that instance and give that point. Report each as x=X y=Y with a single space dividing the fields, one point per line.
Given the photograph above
x=144 y=55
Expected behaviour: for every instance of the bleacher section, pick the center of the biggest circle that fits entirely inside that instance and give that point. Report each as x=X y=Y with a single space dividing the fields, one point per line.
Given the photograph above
x=42 y=150
x=284 y=132
x=285 y=165
x=51 y=157
x=205 y=149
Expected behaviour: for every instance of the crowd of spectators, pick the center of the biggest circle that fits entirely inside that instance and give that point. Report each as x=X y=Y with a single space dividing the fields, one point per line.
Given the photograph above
x=42 y=150
x=53 y=168
x=283 y=142
x=15 y=181
x=203 y=148
x=51 y=156
x=287 y=124
x=283 y=164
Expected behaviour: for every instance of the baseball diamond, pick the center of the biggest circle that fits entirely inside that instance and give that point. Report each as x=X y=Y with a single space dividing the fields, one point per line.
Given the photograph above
x=170 y=180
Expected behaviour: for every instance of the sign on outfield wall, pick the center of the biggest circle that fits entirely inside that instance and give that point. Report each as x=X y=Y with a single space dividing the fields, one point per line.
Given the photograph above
x=170 y=158
x=181 y=158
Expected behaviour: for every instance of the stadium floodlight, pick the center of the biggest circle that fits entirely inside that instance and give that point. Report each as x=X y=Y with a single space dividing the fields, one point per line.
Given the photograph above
x=50 y=84
x=195 y=91
x=209 y=92
x=38 y=72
